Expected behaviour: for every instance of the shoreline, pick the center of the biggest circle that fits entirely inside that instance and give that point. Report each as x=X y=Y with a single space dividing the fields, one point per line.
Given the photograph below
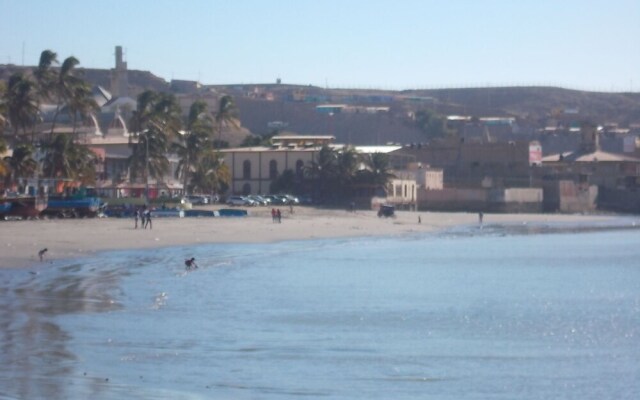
x=78 y=238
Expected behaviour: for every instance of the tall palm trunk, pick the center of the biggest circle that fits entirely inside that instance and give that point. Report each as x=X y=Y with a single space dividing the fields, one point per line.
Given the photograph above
x=187 y=168
x=53 y=123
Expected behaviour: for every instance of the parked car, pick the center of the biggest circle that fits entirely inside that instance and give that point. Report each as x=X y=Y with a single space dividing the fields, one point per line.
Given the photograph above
x=306 y=199
x=290 y=199
x=275 y=199
x=259 y=199
x=198 y=199
x=240 y=201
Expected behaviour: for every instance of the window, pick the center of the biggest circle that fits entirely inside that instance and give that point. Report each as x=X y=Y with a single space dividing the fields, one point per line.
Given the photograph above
x=273 y=169
x=246 y=169
x=246 y=189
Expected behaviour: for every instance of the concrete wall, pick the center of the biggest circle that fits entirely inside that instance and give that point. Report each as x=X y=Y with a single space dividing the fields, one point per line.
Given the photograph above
x=569 y=197
x=621 y=200
x=450 y=199
x=493 y=200
x=516 y=200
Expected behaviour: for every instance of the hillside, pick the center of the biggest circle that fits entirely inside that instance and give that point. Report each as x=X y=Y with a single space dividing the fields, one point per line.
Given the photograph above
x=295 y=105
x=538 y=102
x=138 y=80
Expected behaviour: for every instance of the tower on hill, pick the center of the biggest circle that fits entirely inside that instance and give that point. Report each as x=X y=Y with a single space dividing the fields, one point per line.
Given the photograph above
x=119 y=78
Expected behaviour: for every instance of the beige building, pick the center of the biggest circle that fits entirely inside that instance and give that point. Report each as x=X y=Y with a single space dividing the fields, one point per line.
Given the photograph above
x=254 y=169
x=402 y=190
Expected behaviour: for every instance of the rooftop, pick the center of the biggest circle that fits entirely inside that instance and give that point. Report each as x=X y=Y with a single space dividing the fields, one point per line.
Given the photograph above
x=596 y=156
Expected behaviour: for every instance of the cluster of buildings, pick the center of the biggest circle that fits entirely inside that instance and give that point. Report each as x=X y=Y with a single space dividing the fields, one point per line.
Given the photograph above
x=470 y=171
x=455 y=175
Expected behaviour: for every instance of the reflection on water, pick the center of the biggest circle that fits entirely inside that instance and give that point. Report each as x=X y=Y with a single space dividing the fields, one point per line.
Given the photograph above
x=36 y=361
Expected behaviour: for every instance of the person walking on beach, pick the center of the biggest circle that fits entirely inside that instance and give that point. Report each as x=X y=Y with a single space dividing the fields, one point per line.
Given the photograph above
x=147 y=219
x=279 y=216
x=480 y=218
x=273 y=215
x=136 y=216
x=143 y=216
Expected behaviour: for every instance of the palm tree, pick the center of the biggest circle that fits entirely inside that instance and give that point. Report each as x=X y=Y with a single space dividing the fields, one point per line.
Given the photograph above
x=66 y=159
x=194 y=141
x=3 y=107
x=4 y=168
x=57 y=160
x=149 y=154
x=64 y=88
x=21 y=103
x=81 y=104
x=45 y=77
x=155 y=121
x=20 y=164
x=226 y=116
x=347 y=162
x=323 y=171
x=211 y=175
x=378 y=170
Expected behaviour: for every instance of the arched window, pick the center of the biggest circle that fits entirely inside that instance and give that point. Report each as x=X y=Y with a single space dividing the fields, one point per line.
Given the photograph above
x=246 y=169
x=273 y=169
x=246 y=189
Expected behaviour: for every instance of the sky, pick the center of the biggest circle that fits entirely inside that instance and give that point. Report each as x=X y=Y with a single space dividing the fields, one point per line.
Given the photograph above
x=382 y=44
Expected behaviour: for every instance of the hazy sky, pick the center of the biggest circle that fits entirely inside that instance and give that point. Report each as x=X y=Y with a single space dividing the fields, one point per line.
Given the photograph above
x=584 y=44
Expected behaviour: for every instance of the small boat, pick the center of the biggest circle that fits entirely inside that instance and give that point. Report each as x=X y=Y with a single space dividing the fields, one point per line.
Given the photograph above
x=64 y=207
x=167 y=212
x=22 y=207
x=199 y=213
x=230 y=212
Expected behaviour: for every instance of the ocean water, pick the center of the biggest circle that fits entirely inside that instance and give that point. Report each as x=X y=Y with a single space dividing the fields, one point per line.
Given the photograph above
x=498 y=313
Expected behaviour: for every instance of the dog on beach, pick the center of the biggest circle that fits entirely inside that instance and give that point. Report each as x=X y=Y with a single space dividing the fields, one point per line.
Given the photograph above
x=41 y=253
x=190 y=263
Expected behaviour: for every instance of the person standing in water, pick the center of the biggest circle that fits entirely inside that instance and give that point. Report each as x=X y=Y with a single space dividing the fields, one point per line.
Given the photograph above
x=480 y=218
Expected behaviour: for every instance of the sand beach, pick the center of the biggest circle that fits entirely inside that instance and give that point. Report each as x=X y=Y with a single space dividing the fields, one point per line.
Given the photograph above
x=73 y=238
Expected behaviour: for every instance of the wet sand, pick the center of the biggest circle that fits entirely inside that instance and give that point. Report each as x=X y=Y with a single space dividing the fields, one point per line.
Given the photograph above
x=73 y=238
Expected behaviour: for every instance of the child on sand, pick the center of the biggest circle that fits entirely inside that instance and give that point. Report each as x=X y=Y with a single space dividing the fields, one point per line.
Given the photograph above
x=41 y=253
